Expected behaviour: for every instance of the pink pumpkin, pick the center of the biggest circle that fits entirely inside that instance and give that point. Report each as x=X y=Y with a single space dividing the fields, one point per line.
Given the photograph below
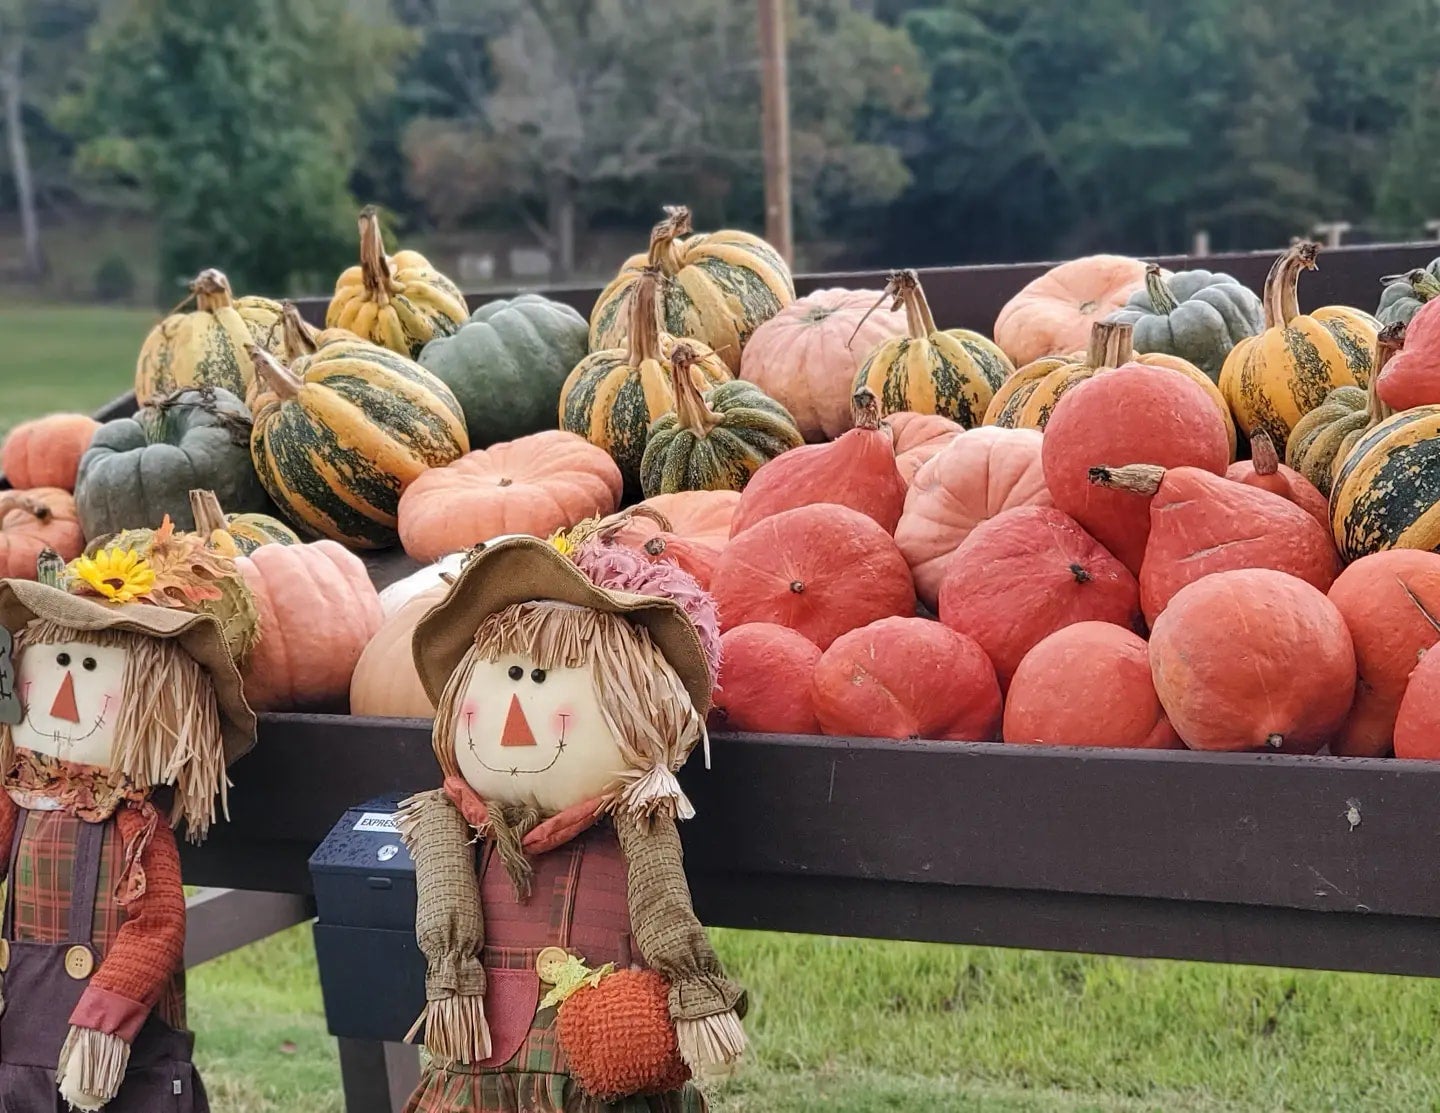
x=806 y=357
x=919 y=438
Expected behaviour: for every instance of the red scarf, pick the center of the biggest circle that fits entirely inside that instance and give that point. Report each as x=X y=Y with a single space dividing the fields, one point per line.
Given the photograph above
x=555 y=831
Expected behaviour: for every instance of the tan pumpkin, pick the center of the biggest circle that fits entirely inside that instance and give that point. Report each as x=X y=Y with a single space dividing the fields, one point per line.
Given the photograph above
x=698 y=515
x=918 y=438
x=318 y=611
x=538 y=484
x=32 y=521
x=1273 y=380
x=46 y=452
x=385 y=684
x=1053 y=314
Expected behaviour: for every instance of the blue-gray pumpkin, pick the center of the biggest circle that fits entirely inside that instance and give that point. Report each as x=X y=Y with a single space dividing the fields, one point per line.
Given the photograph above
x=1197 y=315
x=506 y=365
x=1404 y=294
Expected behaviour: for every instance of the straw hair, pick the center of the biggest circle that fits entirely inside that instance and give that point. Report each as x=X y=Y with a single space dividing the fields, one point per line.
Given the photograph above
x=644 y=702
x=168 y=729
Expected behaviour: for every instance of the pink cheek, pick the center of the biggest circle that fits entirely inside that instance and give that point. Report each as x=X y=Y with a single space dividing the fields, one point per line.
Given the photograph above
x=562 y=721
x=469 y=709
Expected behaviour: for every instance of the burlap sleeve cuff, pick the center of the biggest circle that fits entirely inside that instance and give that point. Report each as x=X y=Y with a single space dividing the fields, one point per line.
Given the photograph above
x=448 y=924
x=453 y=975
x=702 y=995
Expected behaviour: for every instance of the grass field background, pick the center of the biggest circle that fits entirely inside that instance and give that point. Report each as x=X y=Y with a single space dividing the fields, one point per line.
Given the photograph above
x=851 y=1026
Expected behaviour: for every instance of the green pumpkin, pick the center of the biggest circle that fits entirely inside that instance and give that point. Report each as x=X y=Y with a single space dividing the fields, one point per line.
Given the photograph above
x=507 y=364
x=1405 y=293
x=713 y=441
x=1197 y=315
x=139 y=469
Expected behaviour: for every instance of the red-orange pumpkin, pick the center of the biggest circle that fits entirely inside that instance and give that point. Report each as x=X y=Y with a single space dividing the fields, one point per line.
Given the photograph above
x=318 y=612
x=765 y=676
x=1088 y=685
x=919 y=438
x=385 y=683
x=857 y=471
x=907 y=678
x=1201 y=523
x=699 y=557
x=1412 y=377
x=33 y=521
x=46 y=452
x=823 y=570
x=698 y=515
x=1417 y=723
x=1253 y=659
x=979 y=475
x=1131 y=415
x=1391 y=602
x=1026 y=573
x=1265 y=471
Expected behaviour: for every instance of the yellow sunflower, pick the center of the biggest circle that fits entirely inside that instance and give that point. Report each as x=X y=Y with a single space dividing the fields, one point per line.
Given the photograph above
x=118 y=574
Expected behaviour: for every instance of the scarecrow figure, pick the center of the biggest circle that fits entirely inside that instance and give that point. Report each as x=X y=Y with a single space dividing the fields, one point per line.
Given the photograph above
x=119 y=709
x=567 y=971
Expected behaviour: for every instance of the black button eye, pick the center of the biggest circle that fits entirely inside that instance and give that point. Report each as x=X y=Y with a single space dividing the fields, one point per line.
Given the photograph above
x=538 y=676
x=516 y=672
x=88 y=664
x=63 y=660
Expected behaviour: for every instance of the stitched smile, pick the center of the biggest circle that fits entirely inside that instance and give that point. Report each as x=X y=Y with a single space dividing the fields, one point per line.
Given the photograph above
x=515 y=770
x=70 y=740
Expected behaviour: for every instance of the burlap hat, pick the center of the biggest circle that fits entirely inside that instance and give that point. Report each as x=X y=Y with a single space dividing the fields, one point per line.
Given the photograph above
x=528 y=570
x=199 y=635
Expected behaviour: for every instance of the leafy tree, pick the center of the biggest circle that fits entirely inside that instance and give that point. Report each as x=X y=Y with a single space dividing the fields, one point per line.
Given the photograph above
x=238 y=126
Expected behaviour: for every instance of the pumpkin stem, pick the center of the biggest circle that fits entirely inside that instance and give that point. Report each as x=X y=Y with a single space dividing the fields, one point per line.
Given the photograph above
x=1422 y=282
x=1162 y=298
x=209 y=515
x=1282 y=298
x=273 y=375
x=655 y=546
x=643 y=333
x=690 y=406
x=865 y=409
x=301 y=337
x=26 y=504
x=663 y=253
x=1275 y=741
x=1081 y=576
x=375 y=269
x=904 y=287
x=1263 y=454
x=1138 y=479
x=1390 y=340
x=212 y=291
x=1110 y=344
x=1419 y=606
x=797 y=586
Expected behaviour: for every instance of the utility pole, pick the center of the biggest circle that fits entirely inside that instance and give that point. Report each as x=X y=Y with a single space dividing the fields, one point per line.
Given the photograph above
x=775 y=127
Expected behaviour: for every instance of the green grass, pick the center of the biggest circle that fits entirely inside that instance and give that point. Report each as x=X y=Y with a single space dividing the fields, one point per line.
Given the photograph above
x=852 y=1026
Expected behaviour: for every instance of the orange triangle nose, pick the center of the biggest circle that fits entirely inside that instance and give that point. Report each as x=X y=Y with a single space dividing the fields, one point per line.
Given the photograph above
x=64 y=706
x=517 y=731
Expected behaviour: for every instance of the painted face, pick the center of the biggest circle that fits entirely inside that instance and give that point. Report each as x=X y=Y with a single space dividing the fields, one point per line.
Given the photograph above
x=71 y=694
x=523 y=732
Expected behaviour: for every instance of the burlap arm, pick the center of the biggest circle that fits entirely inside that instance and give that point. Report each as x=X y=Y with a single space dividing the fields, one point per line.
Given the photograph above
x=448 y=926
x=705 y=1004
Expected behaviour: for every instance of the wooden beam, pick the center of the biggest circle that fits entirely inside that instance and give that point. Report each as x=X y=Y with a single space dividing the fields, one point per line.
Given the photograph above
x=775 y=127
x=218 y=921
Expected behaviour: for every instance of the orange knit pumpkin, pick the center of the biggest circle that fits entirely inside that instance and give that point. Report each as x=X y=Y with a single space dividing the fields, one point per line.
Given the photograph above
x=857 y=471
x=536 y=485
x=1265 y=471
x=907 y=678
x=32 y=521
x=919 y=438
x=823 y=570
x=978 y=475
x=1088 y=685
x=385 y=684
x=619 y=1038
x=1253 y=659
x=765 y=676
x=318 y=612
x=1391 y=603
x=1052 y=314
x=1201 y=523
x=46 y=452
x=1026 y=573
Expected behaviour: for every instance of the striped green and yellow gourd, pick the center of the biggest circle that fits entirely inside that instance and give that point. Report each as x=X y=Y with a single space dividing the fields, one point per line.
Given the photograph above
x=721 y=287
x=613 y=396
x=342 y=431
x=235 y=535
x=952 y=372
x=1386 y=494
x=715 y=440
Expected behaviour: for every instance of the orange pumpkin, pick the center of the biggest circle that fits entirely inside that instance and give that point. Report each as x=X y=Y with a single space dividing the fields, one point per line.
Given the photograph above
x=32 y=521
x=857 y=471
x=1088 y=685
x=698 y=556
x=979 y=475
x=765 y=678
x=318 y=611
x=1253 y=659
x=1390 y=601
x=823 y=570
x=538 y=484
x=907 y=678
x=1052 y=314
x=1412 y=377
x=919 y=438
x=1417 y=723
x=46 y=452
x=698 y=515
x=385 y=684
x=1265 y=472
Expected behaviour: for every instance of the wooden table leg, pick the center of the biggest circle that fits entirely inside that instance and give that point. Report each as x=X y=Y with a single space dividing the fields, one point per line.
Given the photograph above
x=377 y=1077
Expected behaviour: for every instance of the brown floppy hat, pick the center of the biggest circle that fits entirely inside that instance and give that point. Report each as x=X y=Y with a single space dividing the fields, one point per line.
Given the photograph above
x=529 y=570
x=199 y=635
